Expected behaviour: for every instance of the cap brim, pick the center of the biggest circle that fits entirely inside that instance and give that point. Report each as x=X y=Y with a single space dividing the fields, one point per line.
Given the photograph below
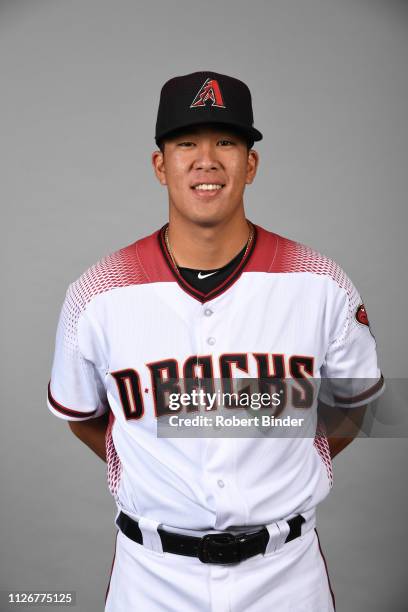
x=250 y=132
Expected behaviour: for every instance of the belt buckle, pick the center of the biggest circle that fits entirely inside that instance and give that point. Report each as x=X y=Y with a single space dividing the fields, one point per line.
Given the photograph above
x=220 y=548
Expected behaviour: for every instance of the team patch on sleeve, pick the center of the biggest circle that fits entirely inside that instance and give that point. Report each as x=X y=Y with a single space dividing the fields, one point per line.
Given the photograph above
x=361 y=315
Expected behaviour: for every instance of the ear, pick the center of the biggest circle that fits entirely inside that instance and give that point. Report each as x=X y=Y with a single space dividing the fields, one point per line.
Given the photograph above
x=252 y=165
x=158 y=165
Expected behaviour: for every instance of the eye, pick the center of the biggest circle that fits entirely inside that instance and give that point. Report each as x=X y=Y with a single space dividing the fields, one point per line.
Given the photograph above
x=225 y=142
x=186 y=144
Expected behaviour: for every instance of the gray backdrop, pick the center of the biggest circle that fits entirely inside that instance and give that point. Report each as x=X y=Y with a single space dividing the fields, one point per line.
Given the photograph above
x=80 y=82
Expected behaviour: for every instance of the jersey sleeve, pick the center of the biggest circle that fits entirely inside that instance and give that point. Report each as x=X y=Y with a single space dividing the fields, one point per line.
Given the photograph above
x=76 y=390
x=350 y=372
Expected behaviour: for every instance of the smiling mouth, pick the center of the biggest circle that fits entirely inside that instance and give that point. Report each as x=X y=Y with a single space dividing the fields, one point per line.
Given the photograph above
x=208 y=187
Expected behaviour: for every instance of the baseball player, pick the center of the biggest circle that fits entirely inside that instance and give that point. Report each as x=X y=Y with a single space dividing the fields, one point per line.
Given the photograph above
x=210 y=523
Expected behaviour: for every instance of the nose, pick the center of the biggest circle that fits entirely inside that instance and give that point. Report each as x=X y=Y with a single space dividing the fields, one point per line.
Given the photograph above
x=206 y=157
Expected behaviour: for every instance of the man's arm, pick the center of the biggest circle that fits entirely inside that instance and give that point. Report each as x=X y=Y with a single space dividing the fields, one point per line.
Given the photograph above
x=342 y=425
x=92 y=433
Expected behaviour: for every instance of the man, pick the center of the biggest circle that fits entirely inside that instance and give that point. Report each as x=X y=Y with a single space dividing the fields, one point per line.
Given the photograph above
x=210 y=523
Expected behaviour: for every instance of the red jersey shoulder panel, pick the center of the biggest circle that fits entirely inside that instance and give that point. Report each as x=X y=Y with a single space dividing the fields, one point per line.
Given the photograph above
x=152 y=259
x=264 y=252
x=277 y=254
x=119 y=269
x=127 y=266
x=138 y=263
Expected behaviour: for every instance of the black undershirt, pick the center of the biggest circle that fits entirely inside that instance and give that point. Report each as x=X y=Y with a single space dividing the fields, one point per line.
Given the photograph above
x=217 y=275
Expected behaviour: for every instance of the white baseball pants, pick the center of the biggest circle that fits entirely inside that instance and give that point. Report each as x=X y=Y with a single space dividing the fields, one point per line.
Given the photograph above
x=290 y=579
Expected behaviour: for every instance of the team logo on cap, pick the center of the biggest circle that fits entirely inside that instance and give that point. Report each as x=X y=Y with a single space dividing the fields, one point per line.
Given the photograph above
x=209 y=90
x=361 y=315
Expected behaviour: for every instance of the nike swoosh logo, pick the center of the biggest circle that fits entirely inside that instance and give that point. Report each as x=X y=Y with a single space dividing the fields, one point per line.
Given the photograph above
x=200 y=275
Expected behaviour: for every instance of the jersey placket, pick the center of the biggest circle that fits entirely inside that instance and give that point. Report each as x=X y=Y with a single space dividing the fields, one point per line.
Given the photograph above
x=219 y=456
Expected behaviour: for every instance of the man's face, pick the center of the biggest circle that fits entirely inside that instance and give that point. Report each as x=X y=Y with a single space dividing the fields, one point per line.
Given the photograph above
x=205 y=170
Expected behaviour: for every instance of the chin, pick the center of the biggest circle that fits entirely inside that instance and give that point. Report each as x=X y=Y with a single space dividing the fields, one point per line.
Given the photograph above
x=203 y=214
x=208 y=222
x=206 y=214
x=205 y=220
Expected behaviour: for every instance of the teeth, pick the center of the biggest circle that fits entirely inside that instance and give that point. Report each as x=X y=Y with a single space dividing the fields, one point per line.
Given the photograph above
x=207 y=187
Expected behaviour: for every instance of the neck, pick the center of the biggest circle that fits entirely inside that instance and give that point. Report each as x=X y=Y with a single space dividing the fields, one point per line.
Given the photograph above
x=207 y=248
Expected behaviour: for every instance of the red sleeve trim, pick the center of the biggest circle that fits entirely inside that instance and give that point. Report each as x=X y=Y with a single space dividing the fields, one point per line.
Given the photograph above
x=67 y=411
x=362 y=396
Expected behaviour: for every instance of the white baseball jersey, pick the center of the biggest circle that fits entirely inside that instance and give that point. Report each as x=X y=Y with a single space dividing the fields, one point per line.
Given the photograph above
x=131 y=323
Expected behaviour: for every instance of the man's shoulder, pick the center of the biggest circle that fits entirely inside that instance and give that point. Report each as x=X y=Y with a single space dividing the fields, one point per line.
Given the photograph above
x=121 y=268
x=279 y=254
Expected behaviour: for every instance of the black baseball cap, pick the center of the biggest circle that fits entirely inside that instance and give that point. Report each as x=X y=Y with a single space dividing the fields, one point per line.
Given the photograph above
x=202 y=98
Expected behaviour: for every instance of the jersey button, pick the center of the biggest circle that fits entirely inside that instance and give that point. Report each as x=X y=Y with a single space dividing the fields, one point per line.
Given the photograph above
x=211 y=341
x=208 y=312
x=221 y=483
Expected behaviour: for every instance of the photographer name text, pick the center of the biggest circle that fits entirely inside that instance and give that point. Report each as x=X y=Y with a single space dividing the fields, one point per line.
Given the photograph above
x=233 y=421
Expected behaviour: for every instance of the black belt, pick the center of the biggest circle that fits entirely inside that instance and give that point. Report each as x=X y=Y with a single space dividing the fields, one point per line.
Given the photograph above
x=214 y=547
